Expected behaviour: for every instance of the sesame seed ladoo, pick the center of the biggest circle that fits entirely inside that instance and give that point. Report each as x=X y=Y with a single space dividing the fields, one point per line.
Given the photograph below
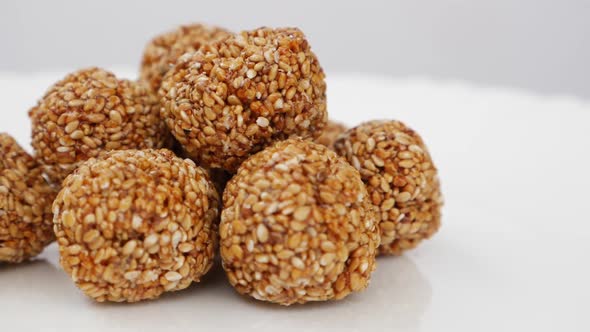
x=297 y=226
x=25 y=204
x=91 y=111
x=401 y=179
x=132 y=225
x=163 y=50
x=232 y=98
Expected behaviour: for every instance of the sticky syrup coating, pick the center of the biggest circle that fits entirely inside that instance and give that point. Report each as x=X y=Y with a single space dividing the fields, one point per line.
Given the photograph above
x=297 y=226
x=162 y=51
x=91 y=111
x=25 y=204
x=233 y=98
x=135 y=224
x=401 y=179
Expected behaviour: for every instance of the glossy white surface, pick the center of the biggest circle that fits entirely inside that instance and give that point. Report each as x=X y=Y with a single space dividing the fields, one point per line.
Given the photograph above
x=512 y=253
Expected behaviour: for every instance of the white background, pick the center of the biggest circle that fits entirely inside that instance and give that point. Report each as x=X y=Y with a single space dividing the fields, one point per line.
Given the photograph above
x=540 y=45
x=512 y=253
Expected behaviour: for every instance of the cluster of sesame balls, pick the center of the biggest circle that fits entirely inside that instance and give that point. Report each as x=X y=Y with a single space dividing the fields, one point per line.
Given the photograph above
x=222 y=146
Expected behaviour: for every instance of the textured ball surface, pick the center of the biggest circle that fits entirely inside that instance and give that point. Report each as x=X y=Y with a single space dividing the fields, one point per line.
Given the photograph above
x=135 y=224
x=297 y=226
x=91 y=111
x=235 y=97
x=25 y=204
x=331 y=133
x=163 y=51
x=401 y=179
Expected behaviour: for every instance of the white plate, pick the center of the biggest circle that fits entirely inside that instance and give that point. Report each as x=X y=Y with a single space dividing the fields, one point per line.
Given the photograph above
x=512 y=253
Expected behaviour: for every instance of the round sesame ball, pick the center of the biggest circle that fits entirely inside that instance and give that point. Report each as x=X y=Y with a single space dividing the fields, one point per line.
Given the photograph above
x=134 y=224
x=297 y=226
x=25 y=204
x=330 y=133
x=163 y=50
x=91 y=111
x=235 y=97
x=401 y=179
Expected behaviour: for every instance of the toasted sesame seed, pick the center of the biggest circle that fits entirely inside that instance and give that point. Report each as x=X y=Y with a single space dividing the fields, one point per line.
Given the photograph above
x=262 y=233
x=185 y=247
x=327 y=258
x=173 y=276
x=129 y=247
x=301 y=213
x=404 y=197
x=132 y=275
x=150 y=241
x=262 y=122
x=297 y=263
x=91 y=236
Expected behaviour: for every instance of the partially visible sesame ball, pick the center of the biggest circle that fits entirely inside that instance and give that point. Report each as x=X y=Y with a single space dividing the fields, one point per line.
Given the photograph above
x=218 y=176
x=25 y=204
x=297 y=226
x=235 y=97
x=330 y=133
x=163 y=51
x=135 y=224
x=401 y=179
x=91 y=111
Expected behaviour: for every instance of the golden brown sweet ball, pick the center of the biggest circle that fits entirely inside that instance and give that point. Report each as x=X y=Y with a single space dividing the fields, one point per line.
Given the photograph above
x=91 y=111
x=26 y=222
x=235 y=97
x=163 y=51
x=401 y=179
x=297 y=226
x=134 y=224
x=330 y=133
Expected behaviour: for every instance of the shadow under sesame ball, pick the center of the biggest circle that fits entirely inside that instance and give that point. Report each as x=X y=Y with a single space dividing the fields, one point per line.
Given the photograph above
x=232 y=98
x=134 y=224
x=91 y=111
x=401 y=179
x=26 y=222
x=297 y=226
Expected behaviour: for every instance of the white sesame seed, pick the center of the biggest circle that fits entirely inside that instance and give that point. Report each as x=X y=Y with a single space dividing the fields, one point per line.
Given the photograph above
x=262 y=122
x=173 y=276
